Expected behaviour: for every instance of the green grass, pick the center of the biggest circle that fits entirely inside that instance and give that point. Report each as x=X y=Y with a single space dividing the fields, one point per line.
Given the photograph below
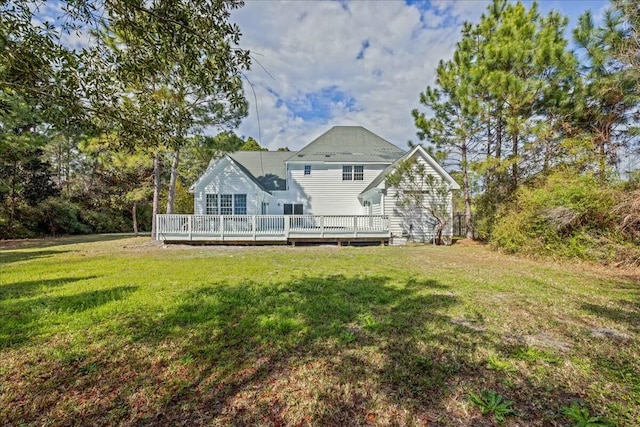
x=119 y=331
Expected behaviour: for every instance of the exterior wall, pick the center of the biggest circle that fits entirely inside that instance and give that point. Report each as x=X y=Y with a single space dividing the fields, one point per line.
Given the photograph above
x=323 y=192
x=226 y=178
x=278 y=199
x=376 y=204
x=413 y=224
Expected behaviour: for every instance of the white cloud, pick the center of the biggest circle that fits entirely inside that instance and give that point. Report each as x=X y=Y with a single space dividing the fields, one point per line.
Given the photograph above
x=310 y=46
x=378 y=54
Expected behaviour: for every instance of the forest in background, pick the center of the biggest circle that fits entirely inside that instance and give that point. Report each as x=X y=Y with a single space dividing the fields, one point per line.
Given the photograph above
x=536 y=126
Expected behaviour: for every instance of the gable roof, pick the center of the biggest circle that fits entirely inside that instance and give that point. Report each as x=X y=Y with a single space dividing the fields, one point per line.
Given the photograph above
x=417 y=149
x=348 y=144
x=266 y=168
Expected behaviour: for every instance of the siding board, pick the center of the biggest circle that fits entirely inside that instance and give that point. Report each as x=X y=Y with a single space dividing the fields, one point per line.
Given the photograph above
x=323 y=192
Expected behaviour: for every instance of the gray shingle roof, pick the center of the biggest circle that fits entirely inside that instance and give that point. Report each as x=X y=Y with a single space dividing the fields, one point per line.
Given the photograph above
x=348 y=144
x=381 y=177
x=266 y=167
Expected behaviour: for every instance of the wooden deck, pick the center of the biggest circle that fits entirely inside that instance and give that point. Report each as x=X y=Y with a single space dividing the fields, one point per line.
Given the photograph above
x=272 y=229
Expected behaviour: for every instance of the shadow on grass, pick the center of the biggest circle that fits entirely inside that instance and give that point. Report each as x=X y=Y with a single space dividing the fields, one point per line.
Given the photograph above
x=7 y=257
x=346 y=341
x=625 y=312
x=241 y=336
x=30 y=287
x=331 y=350
x=61 y=241
x=23 y=320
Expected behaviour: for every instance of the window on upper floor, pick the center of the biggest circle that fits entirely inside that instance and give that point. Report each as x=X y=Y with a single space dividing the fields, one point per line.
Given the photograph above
x=358 y=173
x=347 y=173
x=353 y=173
x=307 y=169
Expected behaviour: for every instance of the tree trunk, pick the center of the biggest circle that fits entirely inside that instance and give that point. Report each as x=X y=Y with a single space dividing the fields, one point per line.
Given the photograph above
x=172 y=181
x=134 y=217
x=514 y=166
x=156 y=193
x=499 y=137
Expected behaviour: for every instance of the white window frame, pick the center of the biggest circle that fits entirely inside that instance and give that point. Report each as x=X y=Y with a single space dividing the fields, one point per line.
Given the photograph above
x=358 y=173
x=238 y=209
x=211 y=207
x=347 y=173
x=231 y=207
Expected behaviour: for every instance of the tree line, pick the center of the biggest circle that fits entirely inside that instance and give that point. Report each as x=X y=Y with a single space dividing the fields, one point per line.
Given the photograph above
x=88 y=133
x=536 y=127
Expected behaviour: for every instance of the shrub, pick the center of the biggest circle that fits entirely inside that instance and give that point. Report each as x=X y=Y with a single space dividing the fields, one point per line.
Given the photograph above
x=565 y=216
x=106 y=221
x=60 y=217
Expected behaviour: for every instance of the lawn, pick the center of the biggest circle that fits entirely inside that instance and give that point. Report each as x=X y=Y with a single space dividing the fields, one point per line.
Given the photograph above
x=123 y=331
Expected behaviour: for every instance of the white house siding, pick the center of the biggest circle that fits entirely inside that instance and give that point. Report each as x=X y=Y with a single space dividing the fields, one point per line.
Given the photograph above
x=278 y=200
x=226 y=178
x=412 y=225
x=323 y=192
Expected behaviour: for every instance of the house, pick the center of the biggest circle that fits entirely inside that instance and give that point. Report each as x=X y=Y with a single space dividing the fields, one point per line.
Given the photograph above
x=334 y=188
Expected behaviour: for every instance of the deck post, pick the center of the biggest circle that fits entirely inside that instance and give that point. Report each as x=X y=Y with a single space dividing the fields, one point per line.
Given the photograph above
x=157 y=227
x=222 y=227
x=355 y=226
x=189 y=226
x=253 y=226
x=287 y=225
x=322 y=226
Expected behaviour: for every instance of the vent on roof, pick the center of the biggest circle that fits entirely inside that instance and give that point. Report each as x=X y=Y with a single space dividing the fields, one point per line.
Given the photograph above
x=300 y=155
x=327 y=155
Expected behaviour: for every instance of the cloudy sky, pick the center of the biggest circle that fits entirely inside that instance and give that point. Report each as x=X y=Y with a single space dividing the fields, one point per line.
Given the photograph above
x=327 y=63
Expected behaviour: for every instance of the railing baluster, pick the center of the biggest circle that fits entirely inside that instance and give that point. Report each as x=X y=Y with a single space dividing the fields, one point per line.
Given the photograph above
x=225 y=227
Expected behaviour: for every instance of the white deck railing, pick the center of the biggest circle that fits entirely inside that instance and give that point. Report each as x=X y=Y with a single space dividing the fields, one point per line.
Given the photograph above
x=269 y=227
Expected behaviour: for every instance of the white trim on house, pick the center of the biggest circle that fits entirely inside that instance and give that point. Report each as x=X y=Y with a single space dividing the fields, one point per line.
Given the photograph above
x=323 y=192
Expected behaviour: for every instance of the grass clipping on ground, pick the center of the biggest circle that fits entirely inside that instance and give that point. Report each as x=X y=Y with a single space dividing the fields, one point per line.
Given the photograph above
x=119 y=331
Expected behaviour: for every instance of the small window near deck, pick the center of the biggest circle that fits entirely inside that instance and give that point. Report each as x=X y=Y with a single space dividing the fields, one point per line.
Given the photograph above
x=358 y=173
x=293 y=209
x=211 y=207
x=307 y=169
x=347 y=173
x=265 y=208
x=240 y=204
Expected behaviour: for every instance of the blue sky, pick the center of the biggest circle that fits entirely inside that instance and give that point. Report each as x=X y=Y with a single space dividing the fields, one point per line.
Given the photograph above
x=352 y=62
